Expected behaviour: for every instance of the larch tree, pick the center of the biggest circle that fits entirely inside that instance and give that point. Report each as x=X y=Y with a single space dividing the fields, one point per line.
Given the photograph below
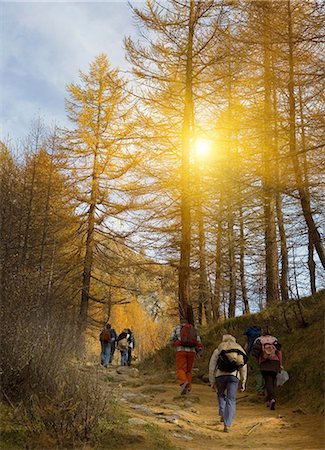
x=98 y=160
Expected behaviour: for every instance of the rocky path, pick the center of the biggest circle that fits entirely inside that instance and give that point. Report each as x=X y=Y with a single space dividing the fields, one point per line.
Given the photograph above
x=191 y=421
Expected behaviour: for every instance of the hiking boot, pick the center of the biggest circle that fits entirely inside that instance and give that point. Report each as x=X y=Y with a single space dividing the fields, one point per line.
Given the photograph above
x=272 y=405
x=184 y=388
x=226 y=429
x=221 y=418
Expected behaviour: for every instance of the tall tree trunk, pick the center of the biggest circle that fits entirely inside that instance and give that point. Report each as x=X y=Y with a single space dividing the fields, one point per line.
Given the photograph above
x=47 y=205
x=185 y=247
x=216 y=298
x=311 y=261
x=284 y=278
x=242 y=261
x=304 y=198
x=230 y=203
x=271 y=257
x=232 y=263
x=88 y=260
x=203 y=279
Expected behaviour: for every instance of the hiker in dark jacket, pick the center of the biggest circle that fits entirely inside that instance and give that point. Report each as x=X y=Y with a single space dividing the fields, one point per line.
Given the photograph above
x=252 y=333
x=113 y=344
x=131 y=346
x=225 y=379
x=105 y=342
x=267 y=351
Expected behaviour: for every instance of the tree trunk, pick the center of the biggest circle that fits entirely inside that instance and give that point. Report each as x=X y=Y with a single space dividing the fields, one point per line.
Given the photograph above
x=242 y=261
x=271 y=257
x=216 y=298
x=185 y=247
x=304 y=197
x=311 y=261
x=284 y=278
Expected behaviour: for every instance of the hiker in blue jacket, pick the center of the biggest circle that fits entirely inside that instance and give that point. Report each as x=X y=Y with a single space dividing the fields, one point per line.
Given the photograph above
x=252 y=333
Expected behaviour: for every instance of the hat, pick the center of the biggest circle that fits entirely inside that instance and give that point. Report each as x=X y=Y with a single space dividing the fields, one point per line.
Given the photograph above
x=228 y=338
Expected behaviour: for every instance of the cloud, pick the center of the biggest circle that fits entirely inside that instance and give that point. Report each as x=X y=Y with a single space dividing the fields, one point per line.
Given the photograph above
x=44 y=45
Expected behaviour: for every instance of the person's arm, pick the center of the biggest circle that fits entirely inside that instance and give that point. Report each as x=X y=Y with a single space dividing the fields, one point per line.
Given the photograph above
x=212 y=367
x=173 y=337
x=243 y=377
x=199 y=347
x=279 y=354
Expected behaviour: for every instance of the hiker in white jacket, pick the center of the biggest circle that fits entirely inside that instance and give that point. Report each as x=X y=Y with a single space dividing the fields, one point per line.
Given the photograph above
x=228 y=366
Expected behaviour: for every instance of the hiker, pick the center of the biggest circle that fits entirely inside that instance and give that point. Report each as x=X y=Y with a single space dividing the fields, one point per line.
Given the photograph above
x=123 y=345
x=267 y=351
x=105 y=342
x=113 y=344
x=228 y=366
x=131 y=345
x=252 y=333
x=187 y=344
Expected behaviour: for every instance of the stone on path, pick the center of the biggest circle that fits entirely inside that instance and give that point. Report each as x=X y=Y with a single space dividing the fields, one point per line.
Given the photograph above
x=137 y=421
x=154 y=389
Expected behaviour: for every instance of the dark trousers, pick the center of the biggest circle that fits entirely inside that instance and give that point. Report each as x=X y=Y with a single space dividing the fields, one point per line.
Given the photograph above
x=270 y=383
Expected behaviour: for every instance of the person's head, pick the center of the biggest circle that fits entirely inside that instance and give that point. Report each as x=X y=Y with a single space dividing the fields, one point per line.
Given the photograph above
x=190 y=314
x=108 y=325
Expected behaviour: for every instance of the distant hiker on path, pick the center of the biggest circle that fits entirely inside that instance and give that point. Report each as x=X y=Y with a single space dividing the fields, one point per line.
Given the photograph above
x=187 y=344
x=228 y=366
x=267 y=351
x=131 y=345
x=252 y=333
x=123 y=342
x=113 y=344
x=105 y=342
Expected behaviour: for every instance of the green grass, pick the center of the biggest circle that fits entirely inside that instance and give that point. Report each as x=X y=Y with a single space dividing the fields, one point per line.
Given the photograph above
x=157 y=439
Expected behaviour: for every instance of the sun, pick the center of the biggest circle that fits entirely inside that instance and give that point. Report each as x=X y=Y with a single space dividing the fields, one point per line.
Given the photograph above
x=203 y=148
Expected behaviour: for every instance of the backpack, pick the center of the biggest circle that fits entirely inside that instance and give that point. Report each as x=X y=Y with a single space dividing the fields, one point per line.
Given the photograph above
x=226 y=365
x=188 y=336
x=269 y=347
x=252 y=333
x=105 y=335
x=122 y=344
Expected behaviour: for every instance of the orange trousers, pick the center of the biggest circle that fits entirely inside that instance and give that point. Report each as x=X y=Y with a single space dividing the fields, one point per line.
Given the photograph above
x=184 y=364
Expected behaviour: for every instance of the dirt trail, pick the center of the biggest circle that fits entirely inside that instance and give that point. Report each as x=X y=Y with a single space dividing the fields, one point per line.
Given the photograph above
x=191 y=421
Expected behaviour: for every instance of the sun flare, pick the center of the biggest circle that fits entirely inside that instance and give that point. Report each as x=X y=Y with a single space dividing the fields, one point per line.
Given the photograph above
x=203 y=148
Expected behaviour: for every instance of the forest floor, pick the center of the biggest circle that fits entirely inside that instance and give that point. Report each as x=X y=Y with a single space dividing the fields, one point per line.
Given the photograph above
x=191 y=422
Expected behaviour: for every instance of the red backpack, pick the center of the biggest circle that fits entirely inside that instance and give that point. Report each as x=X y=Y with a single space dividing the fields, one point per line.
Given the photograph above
x=105 y=335
x=188 y=336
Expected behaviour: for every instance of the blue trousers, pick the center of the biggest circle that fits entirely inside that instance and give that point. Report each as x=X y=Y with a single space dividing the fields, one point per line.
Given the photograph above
x=124 y=357
x=105 y=353
x=227 y=386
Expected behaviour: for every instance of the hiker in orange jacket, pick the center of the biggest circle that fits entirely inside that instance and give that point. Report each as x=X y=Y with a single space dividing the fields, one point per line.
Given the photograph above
x=187 y=344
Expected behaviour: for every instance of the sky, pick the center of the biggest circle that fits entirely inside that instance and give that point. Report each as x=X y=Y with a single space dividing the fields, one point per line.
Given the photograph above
x=43 y=45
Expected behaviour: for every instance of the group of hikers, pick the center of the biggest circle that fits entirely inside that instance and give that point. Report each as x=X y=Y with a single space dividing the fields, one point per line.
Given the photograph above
x=228 y=365
x=110 y=341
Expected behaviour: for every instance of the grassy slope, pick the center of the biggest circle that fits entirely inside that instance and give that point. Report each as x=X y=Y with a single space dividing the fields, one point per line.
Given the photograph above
x=302 y=345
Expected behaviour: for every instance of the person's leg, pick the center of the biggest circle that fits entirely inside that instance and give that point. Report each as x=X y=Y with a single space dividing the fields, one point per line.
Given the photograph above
x=259 y=382
x=230 y=408
x=221 y=383
x=112 y=354
x=181 y=367
x=190 y=361
x=129 y=359
x=102 y=355
x=107 y=353
x=269 y=379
